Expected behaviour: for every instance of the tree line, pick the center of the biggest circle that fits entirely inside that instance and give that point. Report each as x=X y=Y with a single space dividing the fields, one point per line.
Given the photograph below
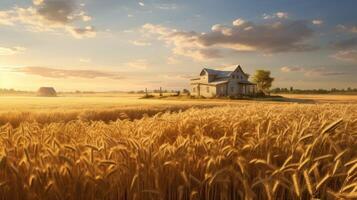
x=292 y=90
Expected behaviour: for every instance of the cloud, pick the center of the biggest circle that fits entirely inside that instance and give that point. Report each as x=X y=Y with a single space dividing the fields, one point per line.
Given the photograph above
x=291 y=69
x=185 y=43
x=85 y=60
x=269 y=38
x=50 y=15
x=37 y=2
x=348 y=55
x=280 y=15
x=322 y=71
x=273 y=37
x=167 y=6
x=317 y=22
x=87 y=32
x=238 y=22
x=56 y=11
x=347 y=28
x=141 y=43
x=172 y=60
x=9 y=51
x=49 y=72
x=347 y=47
x=6 y=18
x=346 y=43
x=311 y=72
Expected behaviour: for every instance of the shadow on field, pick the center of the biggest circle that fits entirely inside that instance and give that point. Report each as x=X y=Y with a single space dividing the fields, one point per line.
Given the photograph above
x=285 y=99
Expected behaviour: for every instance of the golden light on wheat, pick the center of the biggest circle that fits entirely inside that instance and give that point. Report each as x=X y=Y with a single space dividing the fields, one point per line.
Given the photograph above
x=255 y=151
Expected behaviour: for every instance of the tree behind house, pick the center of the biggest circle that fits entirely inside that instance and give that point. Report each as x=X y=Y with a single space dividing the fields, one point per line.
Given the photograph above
x=263 y=80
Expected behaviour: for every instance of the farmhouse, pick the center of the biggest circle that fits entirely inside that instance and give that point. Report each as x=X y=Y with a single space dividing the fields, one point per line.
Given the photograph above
x=213 y=83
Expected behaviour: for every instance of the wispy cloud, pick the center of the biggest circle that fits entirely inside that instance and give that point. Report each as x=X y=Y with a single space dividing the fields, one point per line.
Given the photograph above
x=141 y=43
x=85 y=60
x=292 y=69
x=348 y=55
x=347 y=28
x=167 y=6
x=88 y=31
x=9 y=51
x=311 y=72
x=57 y=73
x=172 y=60
x=280 y=15
x=49 y=15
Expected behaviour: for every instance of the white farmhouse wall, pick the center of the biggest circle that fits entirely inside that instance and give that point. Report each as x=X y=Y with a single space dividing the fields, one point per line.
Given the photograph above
x=208 y=91
x=204 y=90
x=194 y=90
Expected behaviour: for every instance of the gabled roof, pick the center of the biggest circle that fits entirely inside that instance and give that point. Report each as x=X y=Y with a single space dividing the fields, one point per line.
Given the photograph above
x=222 y=74
x=239 y=68
x=218 y=73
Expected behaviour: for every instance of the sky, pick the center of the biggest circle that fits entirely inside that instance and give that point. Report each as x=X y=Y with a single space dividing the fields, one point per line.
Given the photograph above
x=123 y=45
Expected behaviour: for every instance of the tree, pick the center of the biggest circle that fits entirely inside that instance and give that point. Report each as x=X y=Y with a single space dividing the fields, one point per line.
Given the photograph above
x=263 y=80
x=185 y=91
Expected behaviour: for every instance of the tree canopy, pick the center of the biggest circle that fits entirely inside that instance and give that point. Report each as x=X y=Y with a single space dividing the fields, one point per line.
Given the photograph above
x=263 y=80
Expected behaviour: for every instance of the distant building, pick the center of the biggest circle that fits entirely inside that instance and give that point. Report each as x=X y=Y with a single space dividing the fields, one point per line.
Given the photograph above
x=46 y=92
x=213 y=83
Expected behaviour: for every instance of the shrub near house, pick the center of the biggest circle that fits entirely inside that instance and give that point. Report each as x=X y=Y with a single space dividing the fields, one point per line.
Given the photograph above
x=46 y=92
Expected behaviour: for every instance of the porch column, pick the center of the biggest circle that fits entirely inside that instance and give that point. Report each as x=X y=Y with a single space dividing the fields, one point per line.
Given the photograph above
x=198 y=90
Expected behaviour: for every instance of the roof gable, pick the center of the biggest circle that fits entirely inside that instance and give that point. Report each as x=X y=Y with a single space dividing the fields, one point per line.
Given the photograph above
x=217 y=73
x=239 y=69
x=222 y=74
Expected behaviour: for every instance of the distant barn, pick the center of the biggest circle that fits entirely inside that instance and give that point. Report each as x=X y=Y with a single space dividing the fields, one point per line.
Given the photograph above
x=46 y=92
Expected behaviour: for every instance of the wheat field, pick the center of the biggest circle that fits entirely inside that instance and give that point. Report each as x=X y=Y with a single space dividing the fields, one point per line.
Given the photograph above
x=245 y=151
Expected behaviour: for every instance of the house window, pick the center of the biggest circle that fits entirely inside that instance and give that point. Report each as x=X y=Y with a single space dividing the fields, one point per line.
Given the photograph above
x=207 y=89
x=232 y=89
x=194 y=89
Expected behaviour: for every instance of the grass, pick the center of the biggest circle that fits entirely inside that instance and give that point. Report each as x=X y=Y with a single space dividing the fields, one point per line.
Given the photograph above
x=162 y=149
